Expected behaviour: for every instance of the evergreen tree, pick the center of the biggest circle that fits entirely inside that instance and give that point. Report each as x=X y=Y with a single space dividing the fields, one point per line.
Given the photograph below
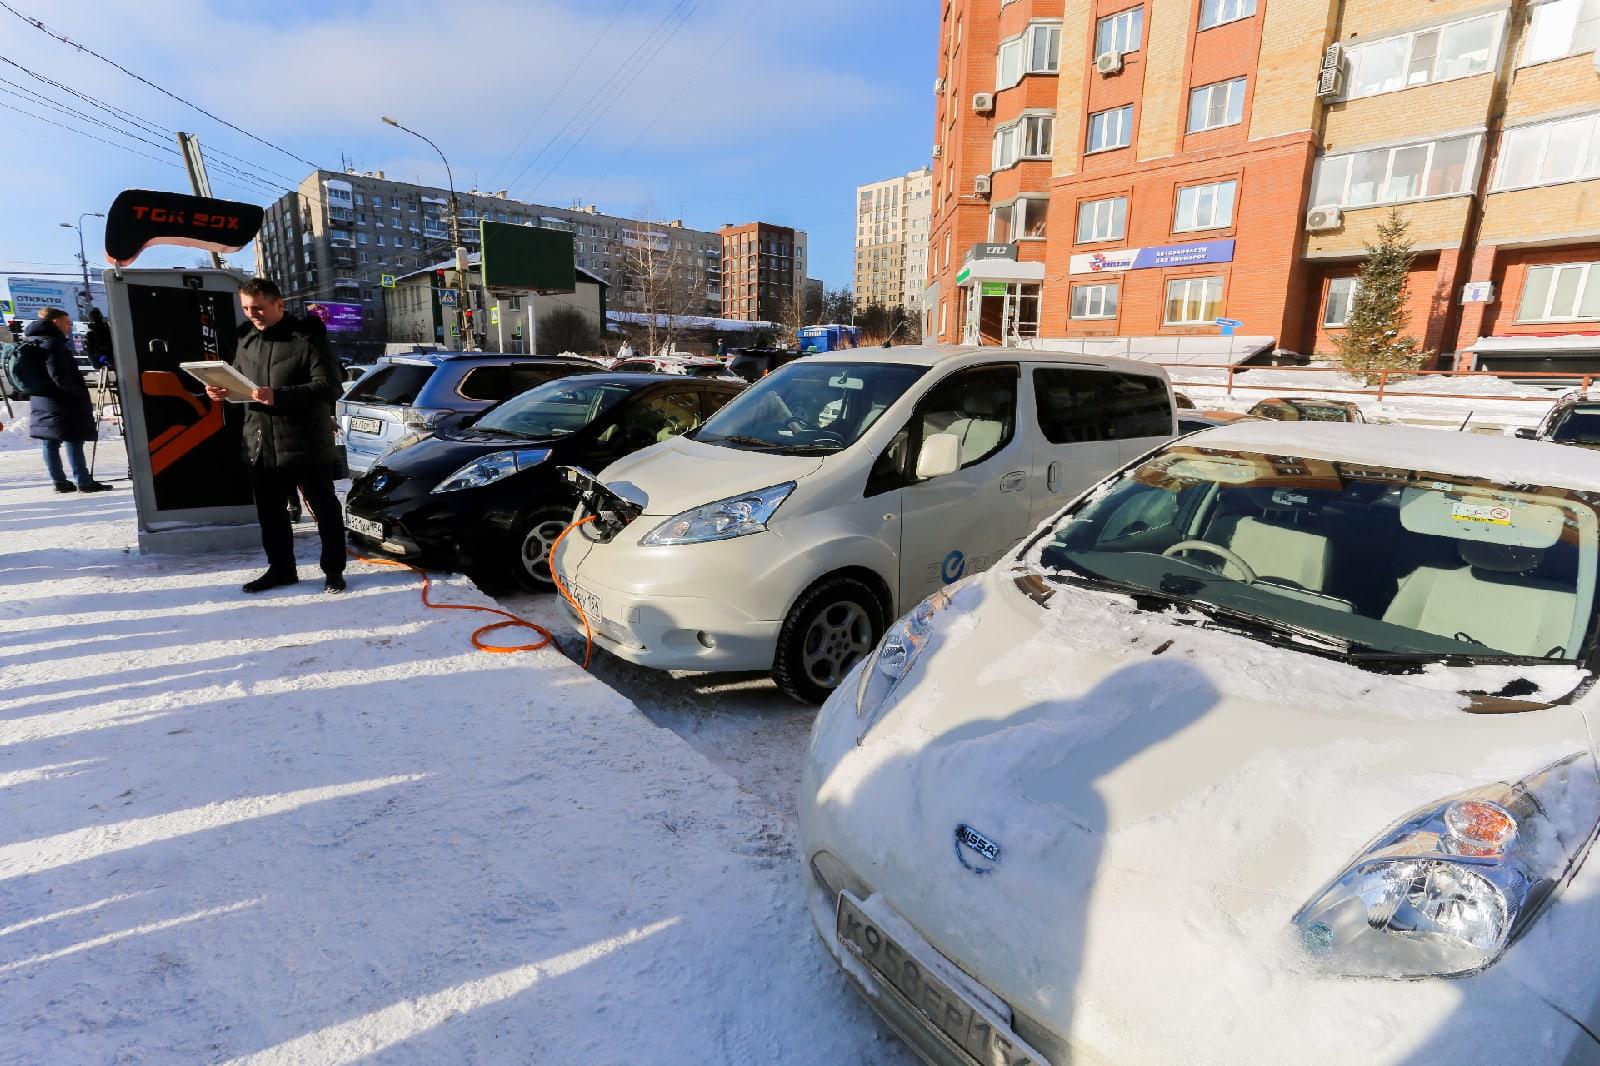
x=1375 y=330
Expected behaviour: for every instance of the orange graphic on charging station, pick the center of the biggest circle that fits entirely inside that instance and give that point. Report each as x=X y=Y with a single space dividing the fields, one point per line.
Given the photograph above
x=173 y=443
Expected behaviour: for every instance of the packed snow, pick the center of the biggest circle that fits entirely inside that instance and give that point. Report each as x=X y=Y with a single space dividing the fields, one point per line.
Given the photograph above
x=302 y=828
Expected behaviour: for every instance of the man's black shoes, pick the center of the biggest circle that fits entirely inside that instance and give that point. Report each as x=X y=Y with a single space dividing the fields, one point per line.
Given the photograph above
x=95 y=486
x=271 y=580
x=334 y=584
x=66 y=486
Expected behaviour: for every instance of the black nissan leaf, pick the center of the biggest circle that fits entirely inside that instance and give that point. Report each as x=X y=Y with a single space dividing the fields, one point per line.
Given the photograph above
x=482 y=494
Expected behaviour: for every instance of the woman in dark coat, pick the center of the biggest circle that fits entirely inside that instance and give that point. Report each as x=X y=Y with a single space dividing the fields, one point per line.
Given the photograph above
x=65 y=414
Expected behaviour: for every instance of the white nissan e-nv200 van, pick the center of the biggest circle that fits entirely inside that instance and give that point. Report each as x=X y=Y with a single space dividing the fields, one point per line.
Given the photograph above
x=788 y=531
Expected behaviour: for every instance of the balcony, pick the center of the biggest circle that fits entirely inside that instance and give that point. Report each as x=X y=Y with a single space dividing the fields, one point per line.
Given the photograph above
x=344 y=257
x=343 y=217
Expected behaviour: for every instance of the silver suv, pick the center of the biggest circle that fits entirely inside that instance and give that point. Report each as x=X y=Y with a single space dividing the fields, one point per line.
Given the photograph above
x=411 y=394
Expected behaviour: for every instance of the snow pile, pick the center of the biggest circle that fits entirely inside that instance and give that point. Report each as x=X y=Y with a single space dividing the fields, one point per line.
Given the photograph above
x=14 y=437
x=300 y=828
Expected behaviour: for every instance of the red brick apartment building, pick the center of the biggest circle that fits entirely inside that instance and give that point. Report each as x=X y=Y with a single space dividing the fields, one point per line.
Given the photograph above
x=1106 y=169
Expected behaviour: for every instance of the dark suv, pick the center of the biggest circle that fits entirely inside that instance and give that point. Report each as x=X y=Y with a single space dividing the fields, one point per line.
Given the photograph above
x=1574 y=420
x=754 y=363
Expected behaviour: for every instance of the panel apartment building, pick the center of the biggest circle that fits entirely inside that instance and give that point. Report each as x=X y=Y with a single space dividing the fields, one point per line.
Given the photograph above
x=892 y=217
x=337 y=235
x=1106 y=169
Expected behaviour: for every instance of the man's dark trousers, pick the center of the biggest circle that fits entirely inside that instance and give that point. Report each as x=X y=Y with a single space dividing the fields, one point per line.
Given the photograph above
x=273 y=489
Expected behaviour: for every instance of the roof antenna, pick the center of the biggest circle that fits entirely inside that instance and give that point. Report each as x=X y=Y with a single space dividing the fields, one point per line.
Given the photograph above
x=1462 y=428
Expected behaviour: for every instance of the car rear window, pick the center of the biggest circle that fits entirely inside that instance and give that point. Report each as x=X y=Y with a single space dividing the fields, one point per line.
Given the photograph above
x=397 y=383
x=495 y=383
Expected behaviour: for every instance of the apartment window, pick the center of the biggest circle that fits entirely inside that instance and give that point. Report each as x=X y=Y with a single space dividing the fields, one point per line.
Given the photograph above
x=1111 y=129
x=1193 y=301
x=1561 y=28
x=1390 y=175
x=1341 y=293
x=944 y=314
x=360 y=200
x=361 y=238
x=1029 y=138
x=1439 y=53
x=1569 y=292
x=1214 y=106
x=1205 y=206
x=1102 y=220
x=1120 y=33
x=1023 y=219
x=1547 y=153
x=396 y=222
x=1095 y=301
x=1036 y=51
x=377 y=201
x=1217 y=12
x=947 y=239
x=380 y=240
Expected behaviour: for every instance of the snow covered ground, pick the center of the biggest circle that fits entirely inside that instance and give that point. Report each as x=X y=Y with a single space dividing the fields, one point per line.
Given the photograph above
x=301 y=828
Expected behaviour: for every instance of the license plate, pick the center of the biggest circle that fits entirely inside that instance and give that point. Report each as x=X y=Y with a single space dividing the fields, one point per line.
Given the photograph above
x=950 y=1012
x=365 y=526
x=366 y=425
x=588 y=601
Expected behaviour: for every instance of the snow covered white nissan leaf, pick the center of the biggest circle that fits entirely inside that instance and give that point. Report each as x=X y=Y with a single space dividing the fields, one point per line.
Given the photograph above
x=1275 y=747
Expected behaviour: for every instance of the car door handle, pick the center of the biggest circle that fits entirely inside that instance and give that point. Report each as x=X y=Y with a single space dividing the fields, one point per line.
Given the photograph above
x=1013 y=481
x=1052 y=476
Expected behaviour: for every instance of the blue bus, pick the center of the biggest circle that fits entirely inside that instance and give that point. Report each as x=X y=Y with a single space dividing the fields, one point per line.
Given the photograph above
x=831 y=338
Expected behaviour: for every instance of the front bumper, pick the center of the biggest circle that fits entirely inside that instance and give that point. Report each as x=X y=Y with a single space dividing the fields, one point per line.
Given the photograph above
x=713 y=606
x=428 y=531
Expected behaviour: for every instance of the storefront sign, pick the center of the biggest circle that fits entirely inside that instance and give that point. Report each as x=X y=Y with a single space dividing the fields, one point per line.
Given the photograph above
x=994 y=288
x=993 y=251
x=1167 y=255
x=1477 y=292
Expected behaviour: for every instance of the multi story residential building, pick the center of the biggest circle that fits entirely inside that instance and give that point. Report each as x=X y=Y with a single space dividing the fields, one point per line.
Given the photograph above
x=892 y=240
x=1142 y=170
x=339 y=234
x=763 y=271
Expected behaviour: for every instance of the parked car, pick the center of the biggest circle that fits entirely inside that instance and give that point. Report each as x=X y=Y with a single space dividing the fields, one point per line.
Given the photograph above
x=1575 y=420
x=753 y=363
x=788 y=531
x=411 y=394
x=485 y=494
x=1270 y=749
x=1302 y=409
x=689 y=366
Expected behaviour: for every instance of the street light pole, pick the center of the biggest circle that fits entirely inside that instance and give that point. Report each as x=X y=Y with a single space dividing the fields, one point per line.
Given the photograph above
x=87 y=299
x=467 y=343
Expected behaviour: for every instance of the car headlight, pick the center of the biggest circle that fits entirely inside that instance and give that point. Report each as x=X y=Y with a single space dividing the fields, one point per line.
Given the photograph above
x=487 y=469
x=1448 y=888
x=722 y=520
x=897 y=653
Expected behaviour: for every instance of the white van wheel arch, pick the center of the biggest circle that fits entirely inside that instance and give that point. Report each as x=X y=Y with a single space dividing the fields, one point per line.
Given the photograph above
x=832 y=626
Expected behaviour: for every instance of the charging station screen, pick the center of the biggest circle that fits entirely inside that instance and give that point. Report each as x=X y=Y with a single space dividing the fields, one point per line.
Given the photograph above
x=196 y=459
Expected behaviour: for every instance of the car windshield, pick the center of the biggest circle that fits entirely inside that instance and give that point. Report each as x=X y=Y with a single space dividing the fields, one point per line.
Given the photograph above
x=810 y=408
x=1300 y=411
x=1375 y=562
x=556 y=409
x=1581 y=426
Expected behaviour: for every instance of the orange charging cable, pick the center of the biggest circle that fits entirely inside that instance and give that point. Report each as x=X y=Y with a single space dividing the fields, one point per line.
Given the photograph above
x=588 y=634
x=545 y=636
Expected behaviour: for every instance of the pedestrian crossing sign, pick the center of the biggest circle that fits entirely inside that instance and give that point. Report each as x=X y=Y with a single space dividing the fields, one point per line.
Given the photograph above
x=387 y=280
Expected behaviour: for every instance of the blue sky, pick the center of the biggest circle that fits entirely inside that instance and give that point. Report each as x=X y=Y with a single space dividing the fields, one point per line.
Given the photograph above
x=710 y=110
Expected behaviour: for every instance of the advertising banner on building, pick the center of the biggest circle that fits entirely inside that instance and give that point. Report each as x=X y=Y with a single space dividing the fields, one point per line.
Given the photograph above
x=338 y=317
x=1166 y=255
x=28 y=295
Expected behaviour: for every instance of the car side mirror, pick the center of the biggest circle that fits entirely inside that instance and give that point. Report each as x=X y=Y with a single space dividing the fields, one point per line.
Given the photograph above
x=940 y=455
x=1528 y=434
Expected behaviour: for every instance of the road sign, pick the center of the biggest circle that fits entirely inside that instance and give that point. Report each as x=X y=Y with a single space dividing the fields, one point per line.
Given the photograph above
x=1230 y=323
x=494 y=315
x=1477 y=292
x=455 y=331
x=447 y=297
x=387 y=280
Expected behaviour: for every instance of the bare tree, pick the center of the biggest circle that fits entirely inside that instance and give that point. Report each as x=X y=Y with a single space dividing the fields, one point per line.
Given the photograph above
x=659 y=267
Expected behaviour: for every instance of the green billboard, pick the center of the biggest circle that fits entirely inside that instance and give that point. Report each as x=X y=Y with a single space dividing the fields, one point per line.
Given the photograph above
x=525 y=257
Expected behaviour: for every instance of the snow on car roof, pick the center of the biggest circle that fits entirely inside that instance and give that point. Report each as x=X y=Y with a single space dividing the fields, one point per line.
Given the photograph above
x=1508 y=460
x=932 y=355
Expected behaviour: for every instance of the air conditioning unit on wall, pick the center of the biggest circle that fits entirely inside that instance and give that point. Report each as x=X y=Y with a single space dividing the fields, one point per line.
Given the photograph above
x=1323 y=219
x=938 y=86
x=982 y=185
x=938 y=150
x=1108 y=62
x=983 y=103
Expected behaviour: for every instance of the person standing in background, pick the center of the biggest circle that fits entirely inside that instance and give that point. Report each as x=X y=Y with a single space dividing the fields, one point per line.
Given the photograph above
x=97 y=340
x=288 y=431
x=60 y=411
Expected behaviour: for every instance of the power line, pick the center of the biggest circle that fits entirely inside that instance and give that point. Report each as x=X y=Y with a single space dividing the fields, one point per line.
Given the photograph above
x=674 y=12
x=615 y=97
x=675 y=97
x=64 y=39
x=551 y=99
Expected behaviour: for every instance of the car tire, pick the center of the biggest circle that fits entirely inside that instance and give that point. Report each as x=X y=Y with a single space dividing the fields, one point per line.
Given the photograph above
x=531 y=541
x=835 y=624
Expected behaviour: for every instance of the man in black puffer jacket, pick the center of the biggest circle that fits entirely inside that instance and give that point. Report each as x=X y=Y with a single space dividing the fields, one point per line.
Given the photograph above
x=288 y=431
x=63 y=414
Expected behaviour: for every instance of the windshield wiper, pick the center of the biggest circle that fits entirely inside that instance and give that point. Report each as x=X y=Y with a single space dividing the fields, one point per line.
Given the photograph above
x=748 y=442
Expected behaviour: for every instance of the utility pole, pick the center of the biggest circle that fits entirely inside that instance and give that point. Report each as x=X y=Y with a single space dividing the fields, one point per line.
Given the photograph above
x=195 y=164
x=467 y=342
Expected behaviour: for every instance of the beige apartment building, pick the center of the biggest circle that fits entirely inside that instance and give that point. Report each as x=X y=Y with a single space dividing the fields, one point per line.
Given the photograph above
x=1141 y=170
x=892 y=218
